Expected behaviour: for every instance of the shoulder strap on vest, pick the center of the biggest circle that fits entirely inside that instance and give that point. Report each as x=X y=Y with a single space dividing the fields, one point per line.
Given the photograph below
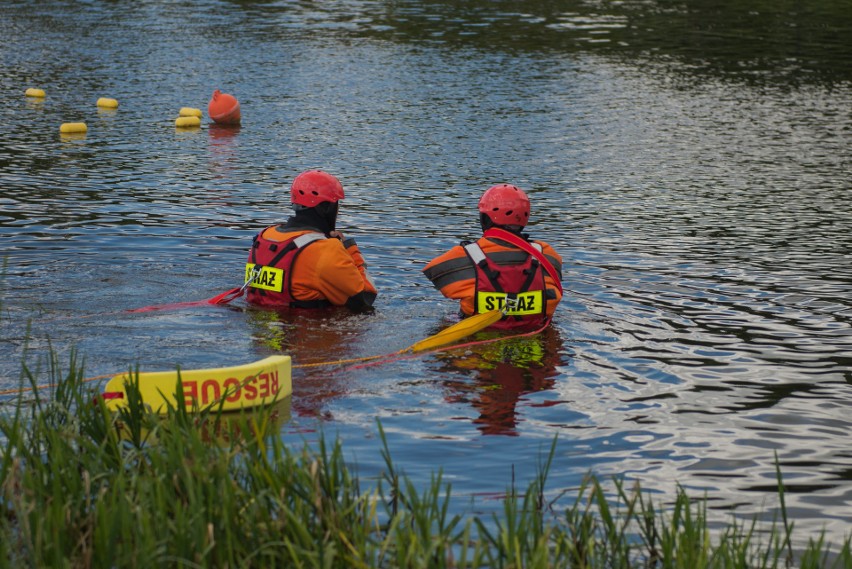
x=298 y=243
x=295 y=243
x=529 y=248
x=477 y=255
x=303 y=240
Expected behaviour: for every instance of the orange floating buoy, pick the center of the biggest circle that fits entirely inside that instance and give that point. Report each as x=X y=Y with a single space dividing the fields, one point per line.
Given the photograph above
x=224 y=108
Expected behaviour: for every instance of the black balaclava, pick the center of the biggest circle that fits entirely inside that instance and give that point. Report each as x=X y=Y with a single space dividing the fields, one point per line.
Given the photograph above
x=487 y=223
x=322 y=218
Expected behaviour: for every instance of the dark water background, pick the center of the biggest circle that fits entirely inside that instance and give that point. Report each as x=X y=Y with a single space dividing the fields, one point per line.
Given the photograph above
x=689 y=160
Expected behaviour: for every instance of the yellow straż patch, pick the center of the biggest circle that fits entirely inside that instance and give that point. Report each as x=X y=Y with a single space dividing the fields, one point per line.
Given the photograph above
x=267 y=278
x=531 y=302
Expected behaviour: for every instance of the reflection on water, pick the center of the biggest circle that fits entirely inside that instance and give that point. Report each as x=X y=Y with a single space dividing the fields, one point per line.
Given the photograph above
x=690 y=161
x=318 y=337
x=498 y=376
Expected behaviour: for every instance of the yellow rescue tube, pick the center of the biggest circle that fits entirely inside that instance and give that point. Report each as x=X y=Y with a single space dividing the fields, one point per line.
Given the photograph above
x=189 y=112
x=33 y=92
x=187 y=122
x=459 y=330
x=107 y=103
x=73 y=127
x=239 y=387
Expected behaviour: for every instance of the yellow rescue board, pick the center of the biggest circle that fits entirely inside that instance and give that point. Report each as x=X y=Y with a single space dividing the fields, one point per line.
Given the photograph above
x=240 y=387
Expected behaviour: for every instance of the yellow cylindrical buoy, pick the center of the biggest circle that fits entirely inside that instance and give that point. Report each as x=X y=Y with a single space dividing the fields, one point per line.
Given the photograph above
x=189 y=112
x=187 y=122
x=33 y=92
x=73 y=127
x=107 y=103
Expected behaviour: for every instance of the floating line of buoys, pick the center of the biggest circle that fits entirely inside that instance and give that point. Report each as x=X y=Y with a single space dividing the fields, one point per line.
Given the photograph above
x=223 y=109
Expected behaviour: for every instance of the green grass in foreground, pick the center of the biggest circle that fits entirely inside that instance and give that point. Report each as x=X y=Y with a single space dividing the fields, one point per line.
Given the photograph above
x=84 y=488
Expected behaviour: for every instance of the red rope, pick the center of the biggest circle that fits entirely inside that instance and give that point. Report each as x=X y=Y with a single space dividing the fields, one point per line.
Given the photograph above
x=521 y=244
x=224 y=298
x=388 y=358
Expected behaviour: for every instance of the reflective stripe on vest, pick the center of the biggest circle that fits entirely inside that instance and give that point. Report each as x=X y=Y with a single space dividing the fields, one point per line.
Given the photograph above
x=303 y=240
x=477 y=255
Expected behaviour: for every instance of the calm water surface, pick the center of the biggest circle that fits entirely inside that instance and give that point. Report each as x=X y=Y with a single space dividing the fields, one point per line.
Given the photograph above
x=691 y=164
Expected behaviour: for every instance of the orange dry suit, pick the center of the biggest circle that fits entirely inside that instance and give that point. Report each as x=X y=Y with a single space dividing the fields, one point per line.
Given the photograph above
x=302 y=268
x=490 y=273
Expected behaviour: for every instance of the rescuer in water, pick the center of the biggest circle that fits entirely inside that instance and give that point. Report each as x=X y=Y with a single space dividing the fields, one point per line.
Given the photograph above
x=305 y=262
x=503 y=269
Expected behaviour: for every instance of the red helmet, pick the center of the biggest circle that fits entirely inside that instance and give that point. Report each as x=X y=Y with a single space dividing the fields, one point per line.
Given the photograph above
x=505 y=204
x=314 y=187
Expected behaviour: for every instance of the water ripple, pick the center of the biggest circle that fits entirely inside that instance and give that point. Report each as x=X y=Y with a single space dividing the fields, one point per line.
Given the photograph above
x=699 y=197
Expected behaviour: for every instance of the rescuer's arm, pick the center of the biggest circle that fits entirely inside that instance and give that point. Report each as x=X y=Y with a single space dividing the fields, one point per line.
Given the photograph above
x=341 y=281
x=357 y=258
x=554 y=296
x=454 y=275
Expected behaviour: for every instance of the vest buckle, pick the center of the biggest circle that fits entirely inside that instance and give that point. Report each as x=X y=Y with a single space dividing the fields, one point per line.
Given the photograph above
x=511 y=303
x=255 y=272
